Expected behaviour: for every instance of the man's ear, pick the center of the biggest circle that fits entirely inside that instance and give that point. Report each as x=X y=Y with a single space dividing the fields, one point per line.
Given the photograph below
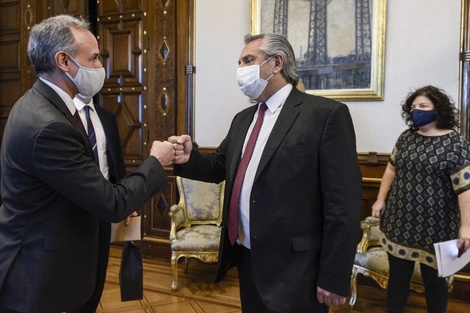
x=62 y=60
x=278 y=62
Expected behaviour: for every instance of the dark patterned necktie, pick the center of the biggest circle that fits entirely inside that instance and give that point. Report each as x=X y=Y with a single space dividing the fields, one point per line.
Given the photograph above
x=91 y=135
x=237 y=185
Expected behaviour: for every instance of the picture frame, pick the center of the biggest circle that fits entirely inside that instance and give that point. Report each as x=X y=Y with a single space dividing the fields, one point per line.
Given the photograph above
x=342 y=55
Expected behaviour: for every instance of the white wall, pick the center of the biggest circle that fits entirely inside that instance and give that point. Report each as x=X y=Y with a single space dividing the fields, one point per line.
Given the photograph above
x=422 y=47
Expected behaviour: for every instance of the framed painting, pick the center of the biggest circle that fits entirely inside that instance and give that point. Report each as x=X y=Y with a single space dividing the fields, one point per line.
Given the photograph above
x=339 y=44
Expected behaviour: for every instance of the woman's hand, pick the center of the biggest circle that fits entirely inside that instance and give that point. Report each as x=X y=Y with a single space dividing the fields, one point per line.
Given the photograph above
x=378 y=208
x=464 y=239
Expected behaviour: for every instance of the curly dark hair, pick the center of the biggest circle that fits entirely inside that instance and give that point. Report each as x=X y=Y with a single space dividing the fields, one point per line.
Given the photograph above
x=446 y=112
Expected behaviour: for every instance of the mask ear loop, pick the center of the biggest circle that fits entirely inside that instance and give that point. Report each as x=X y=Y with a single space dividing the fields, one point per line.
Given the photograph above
x=265 y=62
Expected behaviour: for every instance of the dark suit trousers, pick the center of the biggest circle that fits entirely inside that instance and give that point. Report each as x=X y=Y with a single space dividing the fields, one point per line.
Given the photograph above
x=5 y=310
x=103 y=256
x=249 y=295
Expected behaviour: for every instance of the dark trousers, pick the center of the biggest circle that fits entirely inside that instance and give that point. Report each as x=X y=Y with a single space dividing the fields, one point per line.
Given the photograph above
x=249 y=295
x=398 y=290
x=103 y=256
x=5 y=310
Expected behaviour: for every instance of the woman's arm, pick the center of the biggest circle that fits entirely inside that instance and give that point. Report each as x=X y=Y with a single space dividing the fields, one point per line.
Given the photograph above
x=378 y=207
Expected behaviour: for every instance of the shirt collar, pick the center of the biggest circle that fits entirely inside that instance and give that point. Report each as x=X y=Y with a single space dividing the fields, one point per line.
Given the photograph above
x=79 y=104
x=277 y=99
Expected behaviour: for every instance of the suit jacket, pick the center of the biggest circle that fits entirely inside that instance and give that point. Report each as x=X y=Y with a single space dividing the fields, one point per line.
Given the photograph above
x=53 y=195
x=305 y=201
x=116 y=171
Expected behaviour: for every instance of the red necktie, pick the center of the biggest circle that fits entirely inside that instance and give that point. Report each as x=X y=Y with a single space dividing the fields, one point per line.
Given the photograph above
x=237 y=186
x=79 y=122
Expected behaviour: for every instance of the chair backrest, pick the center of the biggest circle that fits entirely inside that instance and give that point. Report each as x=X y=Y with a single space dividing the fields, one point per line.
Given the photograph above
x=202 y=202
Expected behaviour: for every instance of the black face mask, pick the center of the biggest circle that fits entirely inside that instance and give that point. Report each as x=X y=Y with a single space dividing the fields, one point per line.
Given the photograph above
x=422 y=117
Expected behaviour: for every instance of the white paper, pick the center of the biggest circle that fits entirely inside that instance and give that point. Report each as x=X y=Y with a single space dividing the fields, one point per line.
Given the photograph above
x=447 y=261
x=121 y=232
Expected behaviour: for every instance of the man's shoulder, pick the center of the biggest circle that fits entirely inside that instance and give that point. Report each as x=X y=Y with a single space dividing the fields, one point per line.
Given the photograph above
x=104 y=113
x=314 y=102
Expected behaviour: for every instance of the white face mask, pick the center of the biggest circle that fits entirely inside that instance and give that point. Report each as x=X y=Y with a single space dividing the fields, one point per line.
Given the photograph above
x=89 y=81
x=249 y=81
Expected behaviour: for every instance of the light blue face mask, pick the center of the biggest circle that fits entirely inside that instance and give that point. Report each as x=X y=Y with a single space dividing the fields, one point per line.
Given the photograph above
x=249 y=81
x=89 y=81
x=422 y=117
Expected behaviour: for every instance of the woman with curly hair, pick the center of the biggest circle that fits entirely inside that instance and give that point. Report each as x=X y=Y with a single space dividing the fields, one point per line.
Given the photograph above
x=424 y=196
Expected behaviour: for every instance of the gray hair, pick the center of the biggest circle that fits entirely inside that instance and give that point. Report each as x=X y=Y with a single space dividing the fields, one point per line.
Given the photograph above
x=51 y=36
x=276 y=44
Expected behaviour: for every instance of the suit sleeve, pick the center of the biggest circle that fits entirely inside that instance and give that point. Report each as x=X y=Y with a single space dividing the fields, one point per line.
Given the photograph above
x=205 y=167
x=61 y=161
x=341 y=192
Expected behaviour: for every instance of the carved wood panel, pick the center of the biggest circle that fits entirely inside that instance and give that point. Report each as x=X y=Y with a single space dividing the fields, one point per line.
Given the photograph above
x=124 y=92
x=139 y=43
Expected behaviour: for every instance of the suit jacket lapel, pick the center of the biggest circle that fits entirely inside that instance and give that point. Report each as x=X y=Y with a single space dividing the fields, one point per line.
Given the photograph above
x=287 y=116
x=57 y=101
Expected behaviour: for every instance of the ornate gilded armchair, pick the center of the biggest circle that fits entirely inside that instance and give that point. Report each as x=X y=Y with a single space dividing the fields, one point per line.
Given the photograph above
x=371 y=260
x=195 y=223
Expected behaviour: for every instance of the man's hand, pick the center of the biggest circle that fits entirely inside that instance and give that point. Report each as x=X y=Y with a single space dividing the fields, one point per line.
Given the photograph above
x=182 y=146
x=163 y=151
x=329 y=298
x=128 y=219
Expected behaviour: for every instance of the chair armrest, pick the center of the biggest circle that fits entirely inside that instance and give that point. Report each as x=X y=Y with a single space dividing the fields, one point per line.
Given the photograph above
x=177 y=219
x=370 y=232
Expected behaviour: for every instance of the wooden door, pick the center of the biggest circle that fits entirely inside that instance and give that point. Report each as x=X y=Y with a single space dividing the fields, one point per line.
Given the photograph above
x=143 y=45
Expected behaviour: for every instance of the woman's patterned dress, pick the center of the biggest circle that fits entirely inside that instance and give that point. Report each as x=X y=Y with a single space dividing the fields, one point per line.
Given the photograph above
x=422 y=205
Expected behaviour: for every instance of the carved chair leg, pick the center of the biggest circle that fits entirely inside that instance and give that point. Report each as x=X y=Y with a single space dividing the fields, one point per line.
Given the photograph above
x=174 y=266
x=353 y=299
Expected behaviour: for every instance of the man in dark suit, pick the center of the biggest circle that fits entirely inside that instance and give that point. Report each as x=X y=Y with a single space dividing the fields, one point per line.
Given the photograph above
x=53 y=192
x=299 y=206
x=111 y=164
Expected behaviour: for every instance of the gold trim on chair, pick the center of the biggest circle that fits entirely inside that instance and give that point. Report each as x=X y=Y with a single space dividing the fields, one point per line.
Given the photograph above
x=195 y=223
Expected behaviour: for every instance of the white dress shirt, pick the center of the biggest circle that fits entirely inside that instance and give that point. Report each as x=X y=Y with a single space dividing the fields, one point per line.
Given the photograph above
x=275 y=104
x=99 y=131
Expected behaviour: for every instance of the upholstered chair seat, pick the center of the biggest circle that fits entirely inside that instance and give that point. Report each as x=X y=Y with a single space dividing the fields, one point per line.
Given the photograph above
x=195 y=223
